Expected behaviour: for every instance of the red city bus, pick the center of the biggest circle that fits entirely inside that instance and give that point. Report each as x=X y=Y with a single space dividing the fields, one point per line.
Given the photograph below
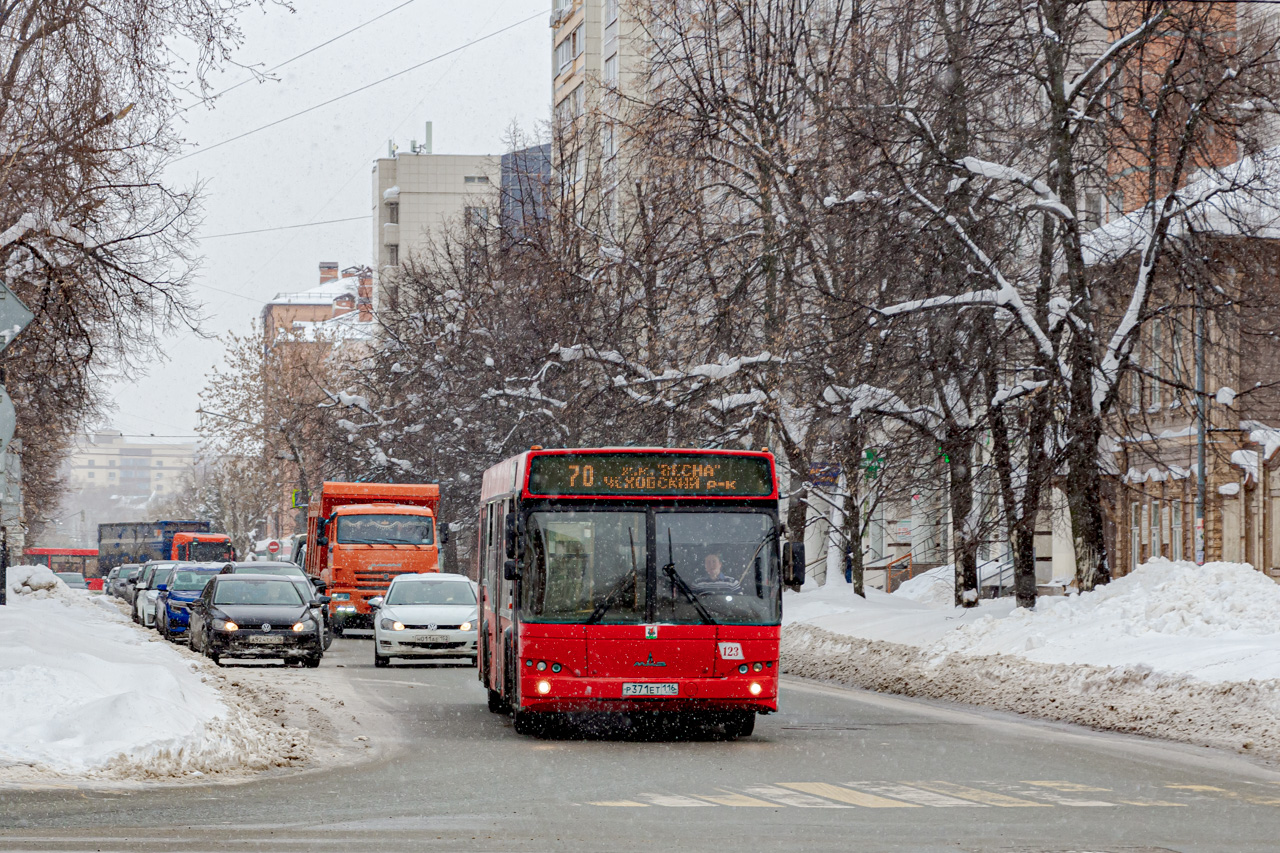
x=634 y=580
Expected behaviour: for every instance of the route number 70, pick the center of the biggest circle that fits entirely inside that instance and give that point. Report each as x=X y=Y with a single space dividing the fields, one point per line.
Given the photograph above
x=587 y=472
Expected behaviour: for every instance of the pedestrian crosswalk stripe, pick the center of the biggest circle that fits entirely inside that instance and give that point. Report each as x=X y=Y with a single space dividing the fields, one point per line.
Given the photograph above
x=1053 y=796
x=1068 y=787
x=1255 y=799
x=964 y=792
x=728 y=798
x=674 y=801
x=620 y=803
x=792 y=798
x=915 y=795
x=846 y=795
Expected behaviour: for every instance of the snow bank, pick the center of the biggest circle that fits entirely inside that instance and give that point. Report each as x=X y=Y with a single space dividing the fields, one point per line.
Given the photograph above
x=85 y=693
x=1173 y=649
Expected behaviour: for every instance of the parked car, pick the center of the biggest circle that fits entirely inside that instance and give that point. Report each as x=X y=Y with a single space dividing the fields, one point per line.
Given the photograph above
x=124 y=581
x=255 y=616
x=430 y=615
x=311 y=588
x=75 y=580
x=109 y=581
x=145 y=592
x=181 y=585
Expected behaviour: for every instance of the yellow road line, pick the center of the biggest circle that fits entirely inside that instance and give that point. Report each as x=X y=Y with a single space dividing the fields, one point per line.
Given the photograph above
x=847 y=795
x=1068 y=787
x=989 y=798
x=1230 y=795
x=674 y=801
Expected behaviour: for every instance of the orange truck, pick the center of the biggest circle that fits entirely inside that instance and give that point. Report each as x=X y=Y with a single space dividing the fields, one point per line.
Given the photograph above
x=202 y=547
x=362 y=535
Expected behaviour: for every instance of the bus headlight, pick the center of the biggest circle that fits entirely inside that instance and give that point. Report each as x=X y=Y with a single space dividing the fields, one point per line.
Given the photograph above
x=755 y=688
x=544 y=687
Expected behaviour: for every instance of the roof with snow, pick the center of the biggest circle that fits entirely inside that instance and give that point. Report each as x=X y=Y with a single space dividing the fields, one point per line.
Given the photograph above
x=325 y=294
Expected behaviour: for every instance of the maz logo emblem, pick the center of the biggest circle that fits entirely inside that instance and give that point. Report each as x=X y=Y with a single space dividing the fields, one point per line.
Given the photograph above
x=651 y=661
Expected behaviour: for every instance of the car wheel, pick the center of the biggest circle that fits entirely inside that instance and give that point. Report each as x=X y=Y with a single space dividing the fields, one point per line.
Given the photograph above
x=474 y=661
x=337 y=630
x=381 y=661
x=311 y=662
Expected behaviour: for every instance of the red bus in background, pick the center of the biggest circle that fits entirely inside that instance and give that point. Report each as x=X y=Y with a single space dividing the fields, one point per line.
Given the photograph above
x=638 y=580
x=82 y=560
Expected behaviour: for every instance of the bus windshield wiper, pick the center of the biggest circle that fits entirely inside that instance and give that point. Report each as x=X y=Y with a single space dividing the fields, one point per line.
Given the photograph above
x=611 y=598
x=679 y=582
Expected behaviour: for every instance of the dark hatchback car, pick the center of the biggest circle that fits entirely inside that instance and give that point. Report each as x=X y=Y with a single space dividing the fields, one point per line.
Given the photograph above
x=255 y=616
x=311 y=588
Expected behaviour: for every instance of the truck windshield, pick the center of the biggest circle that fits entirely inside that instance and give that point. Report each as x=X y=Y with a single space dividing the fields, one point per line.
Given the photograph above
x=585 y=567
x=717 y=567
x=210 y=552
x=385 y=530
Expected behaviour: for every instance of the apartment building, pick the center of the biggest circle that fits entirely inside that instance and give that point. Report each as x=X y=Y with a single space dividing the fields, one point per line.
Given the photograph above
x=416 y=193
x=129 y=467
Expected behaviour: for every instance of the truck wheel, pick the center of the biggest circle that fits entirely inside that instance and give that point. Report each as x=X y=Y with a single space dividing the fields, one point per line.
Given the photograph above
x=380 y=661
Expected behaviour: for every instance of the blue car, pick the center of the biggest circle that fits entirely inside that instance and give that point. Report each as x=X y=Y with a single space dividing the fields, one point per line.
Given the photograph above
x=183 y=586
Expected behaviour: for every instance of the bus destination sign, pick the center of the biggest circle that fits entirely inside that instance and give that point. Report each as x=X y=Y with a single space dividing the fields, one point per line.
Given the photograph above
x=671 y=474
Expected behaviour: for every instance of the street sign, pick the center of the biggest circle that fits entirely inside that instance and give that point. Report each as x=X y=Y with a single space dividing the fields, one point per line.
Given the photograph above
x=301 y=498
x=8 y=423
x=273 y=547
x=14 y=316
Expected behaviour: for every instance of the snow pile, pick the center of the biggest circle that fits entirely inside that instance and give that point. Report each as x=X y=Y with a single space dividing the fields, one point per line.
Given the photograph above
x=937 y=587
x=36 y=581
x=1173 y=650
x=84 y=692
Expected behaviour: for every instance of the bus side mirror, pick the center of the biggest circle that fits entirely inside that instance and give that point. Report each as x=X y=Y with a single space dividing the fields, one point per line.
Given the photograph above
x=322 y=540
x=793 y=563
x=511 y=570
x=511 y=537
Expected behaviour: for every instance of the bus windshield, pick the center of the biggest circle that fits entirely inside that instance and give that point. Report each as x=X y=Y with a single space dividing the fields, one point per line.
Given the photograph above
x=385 y=530
x=585 y=566
x=717 y=566
x=594 y=568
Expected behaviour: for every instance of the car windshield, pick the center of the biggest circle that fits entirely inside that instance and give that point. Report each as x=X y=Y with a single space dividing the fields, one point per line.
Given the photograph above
x=717 y=566
x=386 y=530
x=129 y=574
x=289 y=571
x=264 y=592
x=71 y=578
x=431 y=592
x=585 y=566
x=186 y=581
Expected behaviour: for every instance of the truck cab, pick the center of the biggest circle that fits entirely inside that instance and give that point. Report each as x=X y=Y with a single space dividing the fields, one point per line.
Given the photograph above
x=360 y=536
x=203 y=548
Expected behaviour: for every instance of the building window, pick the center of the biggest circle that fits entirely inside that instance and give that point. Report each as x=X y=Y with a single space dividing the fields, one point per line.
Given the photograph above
x=1135 y=535
x=393 y=255
x=611 y=70
x=608 y=140
x=393 y=212
x=610 y=11
x=570 y=49
x=111 y=463
x=477 y=216
x=160 y=463
x=1175 y=530
x=1157 y=364
x=111 y=475
x=476 y=179
x=1156 y=548
x=91 y=475
x=91 y=463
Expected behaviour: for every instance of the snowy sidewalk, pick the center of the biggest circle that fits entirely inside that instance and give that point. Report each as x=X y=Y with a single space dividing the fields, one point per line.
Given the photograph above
x=1174 y=650
x=85 y=693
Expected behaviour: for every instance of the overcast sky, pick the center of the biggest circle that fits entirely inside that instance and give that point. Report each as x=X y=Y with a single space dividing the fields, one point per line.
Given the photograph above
x=317 y=167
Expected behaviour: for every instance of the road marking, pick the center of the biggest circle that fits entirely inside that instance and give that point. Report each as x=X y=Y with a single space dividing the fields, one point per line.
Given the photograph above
x=978 y=796
x=915 y=795
x=624 y=803
x=1052 y=795
x=791 y=798
x=1160 y=803
x=1229 y=795
x=675 y=801
x=1068 y=787
x=728 y=798
x=846 y=795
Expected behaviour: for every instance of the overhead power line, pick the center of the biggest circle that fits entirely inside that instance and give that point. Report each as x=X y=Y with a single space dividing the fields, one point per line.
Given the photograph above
x=309 y=51
x=364 y=218
x=363 y=88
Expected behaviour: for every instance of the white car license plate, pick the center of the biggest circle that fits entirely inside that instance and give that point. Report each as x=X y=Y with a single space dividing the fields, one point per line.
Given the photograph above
x=260 y=640
x=433 y=638
x=646 y=689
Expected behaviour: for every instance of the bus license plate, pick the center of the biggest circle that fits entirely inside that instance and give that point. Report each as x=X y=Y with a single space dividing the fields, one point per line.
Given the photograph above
x=646 y=689
x=260 y=640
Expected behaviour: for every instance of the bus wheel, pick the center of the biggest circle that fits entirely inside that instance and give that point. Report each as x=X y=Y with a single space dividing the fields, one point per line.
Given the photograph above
x=741 y=725
x=526 y=723
x=496 y=705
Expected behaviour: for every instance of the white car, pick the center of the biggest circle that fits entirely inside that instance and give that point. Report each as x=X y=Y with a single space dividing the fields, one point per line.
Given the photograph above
x=429 y=615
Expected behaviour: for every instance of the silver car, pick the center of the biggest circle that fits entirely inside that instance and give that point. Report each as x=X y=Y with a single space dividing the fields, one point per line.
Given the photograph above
x=429 y=615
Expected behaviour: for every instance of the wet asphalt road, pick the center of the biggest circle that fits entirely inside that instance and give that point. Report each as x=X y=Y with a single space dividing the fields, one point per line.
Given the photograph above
x=837 y=770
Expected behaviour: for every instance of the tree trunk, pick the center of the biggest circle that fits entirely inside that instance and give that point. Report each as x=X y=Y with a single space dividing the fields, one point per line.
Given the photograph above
x=964 y=539
x=853 y=538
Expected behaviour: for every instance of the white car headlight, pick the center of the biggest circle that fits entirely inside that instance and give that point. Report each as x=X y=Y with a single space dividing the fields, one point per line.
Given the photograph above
x=391 y=625
x=465 y=626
